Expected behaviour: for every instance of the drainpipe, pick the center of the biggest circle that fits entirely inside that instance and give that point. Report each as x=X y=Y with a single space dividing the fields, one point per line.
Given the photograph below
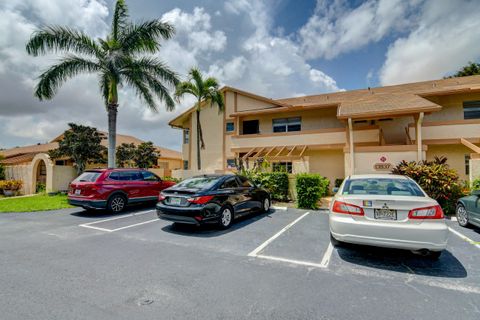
x=418 y=131
x=351 y=146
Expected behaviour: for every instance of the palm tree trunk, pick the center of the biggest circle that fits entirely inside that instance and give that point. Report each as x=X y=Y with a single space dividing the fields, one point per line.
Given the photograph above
x=112 y=110
x=199 y=132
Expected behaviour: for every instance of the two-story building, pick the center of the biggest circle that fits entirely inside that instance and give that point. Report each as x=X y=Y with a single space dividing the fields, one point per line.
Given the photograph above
x=337 y=134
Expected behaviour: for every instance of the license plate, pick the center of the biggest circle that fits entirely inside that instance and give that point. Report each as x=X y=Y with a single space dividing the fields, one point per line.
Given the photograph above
x=78 y=191
x=175 y=201
x=385 y=214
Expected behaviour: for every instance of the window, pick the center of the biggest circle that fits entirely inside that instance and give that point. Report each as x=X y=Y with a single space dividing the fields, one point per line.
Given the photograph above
x=186 y=136
x=229 y=127
x=467 y=164
x=382 y=186
x=126 y=176
x=185 y=164
x=231 y=163
x=471 y=109
x=60 y=162
x=230 y=183
x=198 y=183
x=287 y=124
x=88 y=176
x=148 y=176
x=250 y=127
x=282 y=167
x=385 y=119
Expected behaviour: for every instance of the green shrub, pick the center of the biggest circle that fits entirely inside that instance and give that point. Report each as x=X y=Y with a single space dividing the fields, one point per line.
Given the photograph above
x=275 y=182
x=310 y=188
x=436 y=178
x=476 y=184
x=176 y=180
x=2 y=170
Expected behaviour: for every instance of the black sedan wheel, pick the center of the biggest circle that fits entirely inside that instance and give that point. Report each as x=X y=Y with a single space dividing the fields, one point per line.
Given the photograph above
x=462 y=215
x=266 y=205
x=226 y=217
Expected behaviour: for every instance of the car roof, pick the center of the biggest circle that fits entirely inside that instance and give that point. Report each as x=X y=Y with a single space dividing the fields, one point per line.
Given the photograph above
x=377 y=176
x=114 y=169
x=213 y=175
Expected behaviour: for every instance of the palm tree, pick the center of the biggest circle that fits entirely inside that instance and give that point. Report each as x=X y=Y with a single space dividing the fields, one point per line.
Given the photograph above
x=205 y=90
x=121 y=58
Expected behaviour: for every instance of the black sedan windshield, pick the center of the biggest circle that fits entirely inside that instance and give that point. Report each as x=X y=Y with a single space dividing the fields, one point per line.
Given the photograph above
x=198 y=183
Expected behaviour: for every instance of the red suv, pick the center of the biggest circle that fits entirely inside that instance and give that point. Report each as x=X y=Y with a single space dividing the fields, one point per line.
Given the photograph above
x=114 y=189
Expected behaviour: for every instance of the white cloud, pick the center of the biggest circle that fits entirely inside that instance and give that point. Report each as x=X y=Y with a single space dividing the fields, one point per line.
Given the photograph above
x=444 y=41
x=335 y=28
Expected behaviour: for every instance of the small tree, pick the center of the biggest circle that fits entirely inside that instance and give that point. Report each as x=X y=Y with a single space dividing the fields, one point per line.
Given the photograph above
x=2 y=170
x=146 y=155
x=82 y=145
x=125 y=154
x=470 y=69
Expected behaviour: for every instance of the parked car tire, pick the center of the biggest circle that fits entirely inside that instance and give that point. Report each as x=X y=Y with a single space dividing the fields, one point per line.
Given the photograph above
x=117 y=203
x=462 y=215
x=266 y=205
x=226 y=217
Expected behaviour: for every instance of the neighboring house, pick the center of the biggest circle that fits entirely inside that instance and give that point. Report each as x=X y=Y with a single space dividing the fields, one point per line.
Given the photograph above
x=33 y=166
x=337 y=134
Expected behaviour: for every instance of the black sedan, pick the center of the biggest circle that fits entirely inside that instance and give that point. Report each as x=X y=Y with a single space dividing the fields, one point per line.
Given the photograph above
x=211 y=199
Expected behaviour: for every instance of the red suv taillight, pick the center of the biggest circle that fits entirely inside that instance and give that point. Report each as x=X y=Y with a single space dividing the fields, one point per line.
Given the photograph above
x=433 y=212
x=347 y=208
x=200 y=200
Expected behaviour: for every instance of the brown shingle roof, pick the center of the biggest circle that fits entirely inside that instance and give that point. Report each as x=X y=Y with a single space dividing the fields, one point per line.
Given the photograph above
x=397 y=99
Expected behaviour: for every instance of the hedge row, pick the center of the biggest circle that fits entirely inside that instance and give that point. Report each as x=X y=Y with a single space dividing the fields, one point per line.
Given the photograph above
x=310 y=189
x=275 y=182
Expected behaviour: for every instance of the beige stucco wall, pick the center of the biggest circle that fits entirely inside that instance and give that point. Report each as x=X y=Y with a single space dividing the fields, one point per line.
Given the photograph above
x=455 y=155
x=474 y=169
x=328 y=163
x=61 y=178
x=365 y=161
x=245 y=103
x=20 y=172
x=212 y=128
x=452 y=107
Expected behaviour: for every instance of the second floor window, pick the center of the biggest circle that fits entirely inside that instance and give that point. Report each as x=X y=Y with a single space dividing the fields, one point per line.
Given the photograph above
x=287 y=124
x=282 y=167
x=186 y=136
x=229 y=127
x=185 y=164
x=250 y=127
x=471 y=109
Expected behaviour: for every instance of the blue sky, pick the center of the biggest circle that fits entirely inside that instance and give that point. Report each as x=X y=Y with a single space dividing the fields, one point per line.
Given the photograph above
x=276 y=48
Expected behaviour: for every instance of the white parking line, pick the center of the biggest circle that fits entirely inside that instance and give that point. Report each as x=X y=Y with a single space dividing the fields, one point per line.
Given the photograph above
x=327 y=256
x=279 y=208
x=276 y=235
x=464 y=237
x=300 y=262
x=90 y=225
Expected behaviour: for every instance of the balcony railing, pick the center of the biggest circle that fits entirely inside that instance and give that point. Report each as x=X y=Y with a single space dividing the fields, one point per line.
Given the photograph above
x=447 y=131
x=335 y=137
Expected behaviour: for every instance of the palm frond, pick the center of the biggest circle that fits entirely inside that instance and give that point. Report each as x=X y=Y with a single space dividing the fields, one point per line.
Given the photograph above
x=216 y=97
x=119 y=21
x=154 y=67
x=144 y=37
x=210 y=83
x=56 y=38
x=141 y=88
x=185 y=88
x=196 y=76
x=52 y=78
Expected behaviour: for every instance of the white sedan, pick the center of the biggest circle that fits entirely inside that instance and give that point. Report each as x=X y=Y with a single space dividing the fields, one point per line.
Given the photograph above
x=387 y=211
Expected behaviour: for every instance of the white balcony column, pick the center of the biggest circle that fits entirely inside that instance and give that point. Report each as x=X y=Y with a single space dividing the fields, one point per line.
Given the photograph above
x=418 y=133
x=351 y=146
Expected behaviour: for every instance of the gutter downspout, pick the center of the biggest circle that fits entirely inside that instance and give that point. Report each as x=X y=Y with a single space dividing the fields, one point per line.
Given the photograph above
x=418 y=132
x=351 y=146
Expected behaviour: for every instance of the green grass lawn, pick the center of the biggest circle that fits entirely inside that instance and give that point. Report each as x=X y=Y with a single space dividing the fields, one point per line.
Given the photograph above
x=34 y=203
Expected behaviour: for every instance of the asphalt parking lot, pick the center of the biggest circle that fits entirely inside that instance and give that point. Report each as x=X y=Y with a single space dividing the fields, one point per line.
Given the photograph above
x=69 y=264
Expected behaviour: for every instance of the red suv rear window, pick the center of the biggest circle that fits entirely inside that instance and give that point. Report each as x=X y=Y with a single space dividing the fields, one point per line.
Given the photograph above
x=88 y=176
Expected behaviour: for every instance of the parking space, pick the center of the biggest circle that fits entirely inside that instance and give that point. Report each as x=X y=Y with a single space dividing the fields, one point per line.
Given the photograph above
x=268 y=264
